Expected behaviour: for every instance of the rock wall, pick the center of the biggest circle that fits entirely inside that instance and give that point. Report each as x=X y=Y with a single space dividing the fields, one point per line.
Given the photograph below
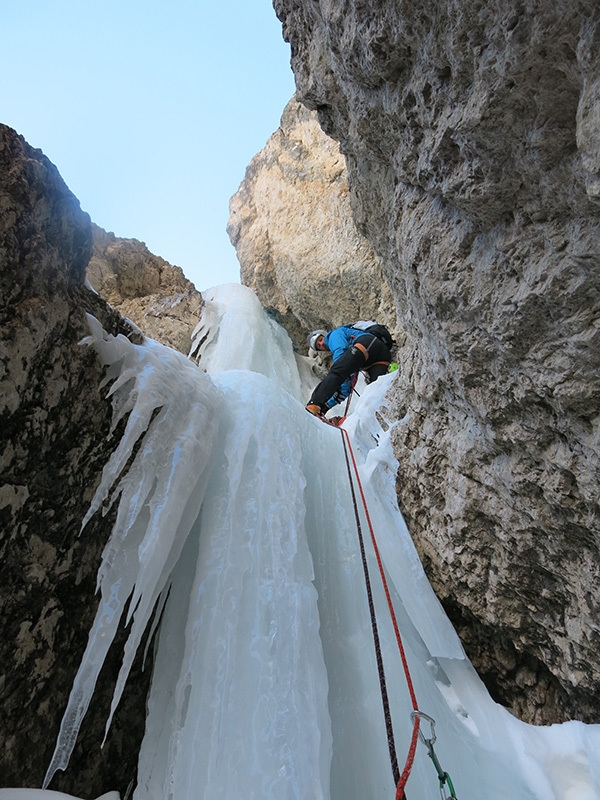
x=471 y=131
x=295 y=237
x=145 y=288
x=54 y=423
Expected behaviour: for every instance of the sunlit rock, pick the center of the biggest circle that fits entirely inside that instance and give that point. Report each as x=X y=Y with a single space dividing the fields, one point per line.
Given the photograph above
x=297 y=243
x=144 y=288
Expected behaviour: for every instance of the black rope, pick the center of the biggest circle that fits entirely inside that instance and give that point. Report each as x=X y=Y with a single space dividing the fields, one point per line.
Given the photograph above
x=382 y=684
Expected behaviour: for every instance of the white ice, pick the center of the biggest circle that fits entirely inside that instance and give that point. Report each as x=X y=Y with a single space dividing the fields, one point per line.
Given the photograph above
x=265 y=682
x=46 y=794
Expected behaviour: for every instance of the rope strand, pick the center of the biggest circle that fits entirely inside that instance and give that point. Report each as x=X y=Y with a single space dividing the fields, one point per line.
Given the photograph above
x=399 y=780
x=380 y=668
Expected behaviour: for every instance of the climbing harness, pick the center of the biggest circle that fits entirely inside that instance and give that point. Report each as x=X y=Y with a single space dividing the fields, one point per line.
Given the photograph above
x=400 y=779
x=443 y=777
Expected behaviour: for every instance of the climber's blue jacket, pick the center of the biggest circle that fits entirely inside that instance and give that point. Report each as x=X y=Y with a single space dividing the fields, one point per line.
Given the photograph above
x=337 y=342
x=340 y=339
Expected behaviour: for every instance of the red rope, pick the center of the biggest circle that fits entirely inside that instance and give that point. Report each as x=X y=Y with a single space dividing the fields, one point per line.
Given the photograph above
x=401 y=782
x=352 y=385
x=337 y=421
x=375 y=631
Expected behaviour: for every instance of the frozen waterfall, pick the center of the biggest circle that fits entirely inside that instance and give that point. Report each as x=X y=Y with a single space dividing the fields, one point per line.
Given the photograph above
x=236 y=517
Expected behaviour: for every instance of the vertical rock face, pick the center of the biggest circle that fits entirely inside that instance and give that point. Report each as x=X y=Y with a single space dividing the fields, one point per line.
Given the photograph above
x=145 y=288
x=53 y=427
x=471 y=131
x=294 y=234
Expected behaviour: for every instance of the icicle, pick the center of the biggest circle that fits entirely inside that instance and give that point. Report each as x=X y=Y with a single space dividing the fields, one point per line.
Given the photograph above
x=174 y=408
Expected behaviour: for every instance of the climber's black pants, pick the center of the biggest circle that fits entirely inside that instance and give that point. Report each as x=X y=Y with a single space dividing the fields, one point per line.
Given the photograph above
x=367 y=350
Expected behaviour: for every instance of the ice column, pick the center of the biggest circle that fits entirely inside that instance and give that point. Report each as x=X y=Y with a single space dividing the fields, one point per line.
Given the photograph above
x=240 y=675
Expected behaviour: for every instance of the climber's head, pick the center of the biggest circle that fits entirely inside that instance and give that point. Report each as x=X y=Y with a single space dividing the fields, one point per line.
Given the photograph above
x=316 y=340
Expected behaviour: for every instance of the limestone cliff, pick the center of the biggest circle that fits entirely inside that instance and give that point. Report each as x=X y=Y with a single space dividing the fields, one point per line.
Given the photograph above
x=54 y=423
x=471 y=131
x=294 y=234
x=145 y=288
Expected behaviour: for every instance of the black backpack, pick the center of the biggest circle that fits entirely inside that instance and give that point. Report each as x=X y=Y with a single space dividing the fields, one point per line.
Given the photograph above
x=374 y=328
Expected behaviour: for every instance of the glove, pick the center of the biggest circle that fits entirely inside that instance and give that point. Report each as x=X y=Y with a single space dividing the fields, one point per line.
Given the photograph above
x=314 y=409
x=337 y=421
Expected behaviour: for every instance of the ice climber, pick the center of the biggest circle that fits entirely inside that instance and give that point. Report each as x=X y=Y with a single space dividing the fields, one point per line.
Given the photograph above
x=354 y=349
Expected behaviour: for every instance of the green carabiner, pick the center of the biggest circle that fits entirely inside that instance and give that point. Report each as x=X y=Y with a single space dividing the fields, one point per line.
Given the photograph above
x=443 y=777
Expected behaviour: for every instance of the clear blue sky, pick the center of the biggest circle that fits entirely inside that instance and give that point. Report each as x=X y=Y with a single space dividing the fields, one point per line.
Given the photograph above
x=151 y=110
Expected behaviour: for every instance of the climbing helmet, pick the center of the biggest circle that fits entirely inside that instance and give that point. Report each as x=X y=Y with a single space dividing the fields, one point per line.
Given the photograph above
x=312 y=338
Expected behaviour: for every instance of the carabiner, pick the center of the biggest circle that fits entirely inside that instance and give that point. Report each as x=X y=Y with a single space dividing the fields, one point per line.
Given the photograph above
x=422 y=715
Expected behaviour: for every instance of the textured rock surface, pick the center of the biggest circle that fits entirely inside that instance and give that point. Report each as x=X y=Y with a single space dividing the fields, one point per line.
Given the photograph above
x=297 y=243
x=53 y=428
x=471 y=131
x=145 y=288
